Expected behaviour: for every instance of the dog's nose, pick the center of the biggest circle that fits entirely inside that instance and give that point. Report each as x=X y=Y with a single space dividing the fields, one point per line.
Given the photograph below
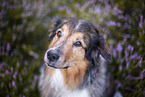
x=52 y=56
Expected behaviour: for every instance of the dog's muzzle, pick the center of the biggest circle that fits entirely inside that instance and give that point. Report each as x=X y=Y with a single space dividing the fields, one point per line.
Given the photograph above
x=51 y=59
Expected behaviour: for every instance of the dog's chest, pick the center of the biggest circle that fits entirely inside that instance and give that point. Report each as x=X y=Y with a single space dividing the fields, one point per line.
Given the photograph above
x=57 y=83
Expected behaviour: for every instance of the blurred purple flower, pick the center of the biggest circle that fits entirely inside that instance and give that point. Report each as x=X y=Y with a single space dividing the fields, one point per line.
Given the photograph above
x=2 y=64
x=7 y=72
x=141 y=20
x=14 y=37
x=15 y=75
x=111 y=23
x=120 y=17
x=120 y=68
x=128 y=47
x=118 y=84
x=128 y=77
x=11 y=69
x=132 y=48
x=68 y=10
x=118 y=24
x=137 y=78
x=126 y=54
x=14 y=85
x=127 y=26
x=114 y=54
x=8 y=46
x=60 y=8
x=20 y=77
x=119 y=11
x=119 y=48
x=127 y=64
x=26 y=62
x=7 y=96
x=143 y=31
x=26 y=89
x=35 y=80
x=138 y=43
x=143 y=73
x=134 y=56
x=139 y=63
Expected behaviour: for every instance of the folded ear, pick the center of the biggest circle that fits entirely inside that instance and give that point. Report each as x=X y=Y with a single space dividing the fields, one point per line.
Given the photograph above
x=51 y=32
x=103 y=49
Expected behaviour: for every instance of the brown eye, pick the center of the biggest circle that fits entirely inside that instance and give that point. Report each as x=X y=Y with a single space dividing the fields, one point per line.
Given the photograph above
x=59 y=33
x=78 y=44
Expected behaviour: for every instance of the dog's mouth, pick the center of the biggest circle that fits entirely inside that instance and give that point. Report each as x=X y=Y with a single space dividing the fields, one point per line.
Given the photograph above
x=55 y=67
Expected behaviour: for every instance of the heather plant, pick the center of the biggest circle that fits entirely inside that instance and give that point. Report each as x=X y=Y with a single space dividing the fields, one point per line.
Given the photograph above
x=24 y=28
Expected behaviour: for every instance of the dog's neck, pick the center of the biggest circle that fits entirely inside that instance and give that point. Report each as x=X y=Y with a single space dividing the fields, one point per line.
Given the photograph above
x=71 y=77
x=61 y=87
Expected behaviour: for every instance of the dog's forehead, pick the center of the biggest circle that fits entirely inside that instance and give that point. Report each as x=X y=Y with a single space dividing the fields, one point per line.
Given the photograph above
x=72 y=33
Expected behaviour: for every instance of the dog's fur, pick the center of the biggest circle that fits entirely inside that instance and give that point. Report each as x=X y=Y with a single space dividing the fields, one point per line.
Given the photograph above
x=75 y=61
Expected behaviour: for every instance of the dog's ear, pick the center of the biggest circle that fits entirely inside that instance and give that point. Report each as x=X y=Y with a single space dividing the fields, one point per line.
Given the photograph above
x=100 y=44
x=103 y=49
x=51 y=33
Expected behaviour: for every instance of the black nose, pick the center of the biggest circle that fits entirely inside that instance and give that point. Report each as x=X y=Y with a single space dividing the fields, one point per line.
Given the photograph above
x=52 y=56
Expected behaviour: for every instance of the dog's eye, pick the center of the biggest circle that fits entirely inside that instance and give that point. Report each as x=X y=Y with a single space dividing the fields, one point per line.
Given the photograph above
x=78 y=43
x=59 y=33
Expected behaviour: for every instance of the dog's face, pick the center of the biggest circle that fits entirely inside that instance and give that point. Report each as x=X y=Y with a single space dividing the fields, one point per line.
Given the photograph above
x=74 y=41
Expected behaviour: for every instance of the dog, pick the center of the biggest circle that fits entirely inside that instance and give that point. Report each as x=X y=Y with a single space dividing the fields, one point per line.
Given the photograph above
x=75 y=62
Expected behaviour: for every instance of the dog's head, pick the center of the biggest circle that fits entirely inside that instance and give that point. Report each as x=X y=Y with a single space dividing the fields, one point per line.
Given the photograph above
x=74 y=41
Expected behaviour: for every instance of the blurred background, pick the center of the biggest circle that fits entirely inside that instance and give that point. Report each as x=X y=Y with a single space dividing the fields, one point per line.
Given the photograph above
x=24 y=33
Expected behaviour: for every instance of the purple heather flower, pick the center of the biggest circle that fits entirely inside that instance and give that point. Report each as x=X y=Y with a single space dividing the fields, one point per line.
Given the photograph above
x=111 y=23
x=14 y=85
x=138 y=43
x=142 y=73
x=118 y=24
x=26 y=89
x=14 y=37
x=140 y=61
x=119 y=48
x=114 y=54
x=8 y=46
x=60 y=8
x=15 y=75
x=127 y=64
x=7 y=72
x=132 y=48
x=133 y=56
x=11 y=69
x=120 y=68
x=7 y=96
x=140 y=23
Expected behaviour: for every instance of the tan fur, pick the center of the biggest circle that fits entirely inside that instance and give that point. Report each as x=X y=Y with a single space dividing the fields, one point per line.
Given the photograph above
x=73 y=76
